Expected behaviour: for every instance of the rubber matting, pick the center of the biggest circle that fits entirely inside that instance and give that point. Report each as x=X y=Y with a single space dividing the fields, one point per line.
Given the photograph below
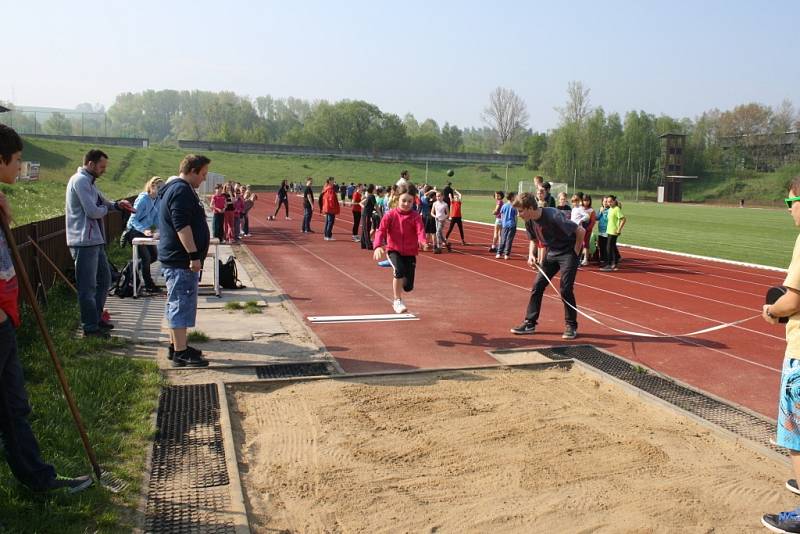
x=731 y=418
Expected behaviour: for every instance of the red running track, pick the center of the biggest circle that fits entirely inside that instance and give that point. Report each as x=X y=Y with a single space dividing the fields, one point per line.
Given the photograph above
x=467 y=301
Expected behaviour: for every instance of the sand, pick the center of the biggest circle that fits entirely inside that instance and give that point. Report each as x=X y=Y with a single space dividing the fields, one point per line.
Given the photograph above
x=490 y=451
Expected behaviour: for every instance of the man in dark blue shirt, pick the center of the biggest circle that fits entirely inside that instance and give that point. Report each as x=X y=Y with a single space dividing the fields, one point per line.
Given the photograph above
x=182 y=247
x=564 y=241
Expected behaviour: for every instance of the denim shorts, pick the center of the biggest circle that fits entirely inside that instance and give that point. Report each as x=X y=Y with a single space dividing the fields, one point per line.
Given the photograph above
x=789 y=405
x=181 y=308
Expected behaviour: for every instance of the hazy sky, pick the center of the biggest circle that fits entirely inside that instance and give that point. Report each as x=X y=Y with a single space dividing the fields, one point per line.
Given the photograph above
x=433 y=59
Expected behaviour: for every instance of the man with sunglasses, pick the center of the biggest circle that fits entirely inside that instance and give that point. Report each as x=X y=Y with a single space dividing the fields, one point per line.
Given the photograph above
x=788 y=430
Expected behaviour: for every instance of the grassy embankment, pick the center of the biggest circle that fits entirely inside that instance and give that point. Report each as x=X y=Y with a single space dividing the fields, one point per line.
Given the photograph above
x=116 y=396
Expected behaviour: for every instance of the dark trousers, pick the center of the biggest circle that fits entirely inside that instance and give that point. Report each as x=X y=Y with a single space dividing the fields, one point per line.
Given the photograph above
x=308 y=212
x=602 y=245
x=21 y=448
x=285 y=203
x=217 y=226
x=506 y=240
x=147 y=255
x=356 y=222
x=246 y=224
x=330 y=218
x=366 y=227
x=567 y=263
x=612 y=252
x=453 y=222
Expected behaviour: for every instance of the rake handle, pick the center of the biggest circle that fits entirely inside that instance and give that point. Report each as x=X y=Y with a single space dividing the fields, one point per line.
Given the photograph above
x=48 y=340
x=52 y=264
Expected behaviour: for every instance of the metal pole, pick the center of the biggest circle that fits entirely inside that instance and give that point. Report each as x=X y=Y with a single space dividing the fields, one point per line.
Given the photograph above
x=506 y=176
x=575 y=180
x=637 y=186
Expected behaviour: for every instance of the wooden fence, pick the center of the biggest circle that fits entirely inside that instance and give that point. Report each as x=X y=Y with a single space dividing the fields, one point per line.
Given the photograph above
x=50 y=235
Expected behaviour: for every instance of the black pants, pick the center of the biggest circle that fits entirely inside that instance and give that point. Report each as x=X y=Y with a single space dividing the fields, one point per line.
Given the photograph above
x=356 y=221
x=567 y=263
x=330 y=218
x=405 y=267
x=285 y=203
x=612 y=252
x=246 y=223
x=21 y=448
x=453 y=222
x=602 y=244
x=308 y=212
x=366 y=227
x=217 y=225
x=147 y=255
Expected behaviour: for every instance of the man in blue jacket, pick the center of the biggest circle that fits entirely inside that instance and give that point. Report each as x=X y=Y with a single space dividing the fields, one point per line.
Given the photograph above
x=85 y=209
x=182 y=247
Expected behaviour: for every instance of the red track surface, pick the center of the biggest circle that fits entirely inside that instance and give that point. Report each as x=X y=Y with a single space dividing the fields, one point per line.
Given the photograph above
x=467 y=301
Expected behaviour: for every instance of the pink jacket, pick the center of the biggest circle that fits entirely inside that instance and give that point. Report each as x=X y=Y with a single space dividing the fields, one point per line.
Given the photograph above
x=403 y=231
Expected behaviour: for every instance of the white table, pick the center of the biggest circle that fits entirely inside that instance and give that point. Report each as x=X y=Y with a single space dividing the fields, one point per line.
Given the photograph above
x=153 y=241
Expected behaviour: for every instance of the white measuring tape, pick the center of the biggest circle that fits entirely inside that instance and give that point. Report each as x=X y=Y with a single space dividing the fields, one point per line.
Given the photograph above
x=641 y=334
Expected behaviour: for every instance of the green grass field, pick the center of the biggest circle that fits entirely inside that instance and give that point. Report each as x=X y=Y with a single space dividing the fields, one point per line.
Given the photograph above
x=761 y=236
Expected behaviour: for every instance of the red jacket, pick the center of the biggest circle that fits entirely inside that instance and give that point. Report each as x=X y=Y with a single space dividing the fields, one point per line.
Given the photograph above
x=403 y=231
x=330 y=204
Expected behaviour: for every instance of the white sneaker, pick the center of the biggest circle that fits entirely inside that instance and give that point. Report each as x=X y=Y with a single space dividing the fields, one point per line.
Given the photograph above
x=505 y=256
x=497 y=256
x=398 y=306
x=584 y=263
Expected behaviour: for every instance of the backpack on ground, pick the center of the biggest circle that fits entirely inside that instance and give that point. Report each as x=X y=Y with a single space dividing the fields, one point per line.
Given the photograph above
x=228 y=274
x=123 y=285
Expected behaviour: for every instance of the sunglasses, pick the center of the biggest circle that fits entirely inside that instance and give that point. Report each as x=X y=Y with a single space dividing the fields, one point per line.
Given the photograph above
x=790 y=201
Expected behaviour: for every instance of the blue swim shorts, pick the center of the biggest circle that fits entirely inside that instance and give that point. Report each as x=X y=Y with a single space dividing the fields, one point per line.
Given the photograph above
x=789 y=405
x=181 y=308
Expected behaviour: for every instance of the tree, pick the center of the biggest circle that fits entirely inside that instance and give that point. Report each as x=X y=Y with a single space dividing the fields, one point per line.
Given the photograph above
x=506 y=113
x=452 y=138
x=58 y=124
x=535 y=147
x=577 y=106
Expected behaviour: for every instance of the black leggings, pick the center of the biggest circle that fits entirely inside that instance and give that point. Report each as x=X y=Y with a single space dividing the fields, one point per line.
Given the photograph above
x=285 y=202
x=356 y=221
x=453 y=222
x=612 y=252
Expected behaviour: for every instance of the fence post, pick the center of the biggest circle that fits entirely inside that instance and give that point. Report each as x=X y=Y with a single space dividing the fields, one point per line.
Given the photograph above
x=36 y=275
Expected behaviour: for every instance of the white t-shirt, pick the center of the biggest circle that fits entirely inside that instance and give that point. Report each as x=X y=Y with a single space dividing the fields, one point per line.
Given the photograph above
x=440 y=211
x=579 y=215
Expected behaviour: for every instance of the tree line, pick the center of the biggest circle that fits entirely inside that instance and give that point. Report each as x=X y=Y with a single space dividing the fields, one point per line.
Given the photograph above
x=588 y=145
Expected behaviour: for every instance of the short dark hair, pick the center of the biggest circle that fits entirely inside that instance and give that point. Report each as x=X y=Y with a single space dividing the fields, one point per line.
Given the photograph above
x=10 y=143
x=526 y=201
x=403 y=174
x=407 y=189
x=546 y=186
x=192 y=163
x=500 y=194
x=94 y=156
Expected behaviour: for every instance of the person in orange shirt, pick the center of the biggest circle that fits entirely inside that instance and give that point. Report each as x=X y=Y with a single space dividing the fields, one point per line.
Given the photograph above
x=356 y=212
x=455 y=216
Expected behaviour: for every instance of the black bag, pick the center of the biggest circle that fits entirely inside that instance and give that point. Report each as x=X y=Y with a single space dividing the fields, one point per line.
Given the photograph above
x=123 y=286
x=228 y=274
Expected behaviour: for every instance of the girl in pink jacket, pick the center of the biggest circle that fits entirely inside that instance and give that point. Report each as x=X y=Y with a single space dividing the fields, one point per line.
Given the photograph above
x=404 y=233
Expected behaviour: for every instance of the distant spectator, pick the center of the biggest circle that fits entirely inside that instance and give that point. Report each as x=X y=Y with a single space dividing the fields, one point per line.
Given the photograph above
x=250 y=198
x=308 y=205
x=329 y=205
x=551 y=202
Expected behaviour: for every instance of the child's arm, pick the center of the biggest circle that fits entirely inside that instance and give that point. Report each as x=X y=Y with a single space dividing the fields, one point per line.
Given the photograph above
x=531 y=252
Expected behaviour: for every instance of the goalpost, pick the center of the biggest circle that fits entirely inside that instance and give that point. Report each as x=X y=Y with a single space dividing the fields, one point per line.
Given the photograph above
x=555 y=188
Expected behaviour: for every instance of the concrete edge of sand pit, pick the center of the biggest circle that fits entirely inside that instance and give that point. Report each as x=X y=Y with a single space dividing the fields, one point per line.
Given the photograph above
x=238 y=509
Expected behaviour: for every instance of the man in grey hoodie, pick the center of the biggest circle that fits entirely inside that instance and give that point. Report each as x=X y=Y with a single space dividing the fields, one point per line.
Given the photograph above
x=85 y=209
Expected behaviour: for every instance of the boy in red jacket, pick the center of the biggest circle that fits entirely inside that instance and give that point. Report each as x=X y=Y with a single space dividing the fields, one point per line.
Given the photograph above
x=405 y=234
x=329 y=205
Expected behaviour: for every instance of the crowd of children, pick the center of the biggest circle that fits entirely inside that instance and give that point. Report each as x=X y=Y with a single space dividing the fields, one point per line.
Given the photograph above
x=230 y=207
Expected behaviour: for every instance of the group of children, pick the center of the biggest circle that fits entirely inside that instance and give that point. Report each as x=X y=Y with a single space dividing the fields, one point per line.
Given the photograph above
x=231 y=204
x=609 y=221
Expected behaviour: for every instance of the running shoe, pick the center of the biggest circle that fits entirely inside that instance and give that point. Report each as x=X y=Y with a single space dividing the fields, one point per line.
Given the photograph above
x=492 y=249
x=569 y=333
x=384 y=263
x=505 y=256
x=497 y=256
x=792 y=486
x=449 y=247
x=72 y=485
x=585 y=263
x=524 y=328
x=782 y=522
x=398 y=306
x=437 y=250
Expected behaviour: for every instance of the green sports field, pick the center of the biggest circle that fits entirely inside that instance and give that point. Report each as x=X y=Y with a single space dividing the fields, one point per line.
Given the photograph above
x=753 y=235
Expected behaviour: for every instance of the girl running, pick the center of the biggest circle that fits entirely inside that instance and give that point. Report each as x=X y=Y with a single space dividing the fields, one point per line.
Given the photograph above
x=404 y=234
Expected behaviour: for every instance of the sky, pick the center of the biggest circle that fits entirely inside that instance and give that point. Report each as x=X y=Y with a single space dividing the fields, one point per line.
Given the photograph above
x=433 y=59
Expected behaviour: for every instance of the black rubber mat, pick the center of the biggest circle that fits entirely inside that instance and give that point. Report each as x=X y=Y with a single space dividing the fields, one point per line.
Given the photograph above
x=741 y=422
x=188 y=463
x=292 y=370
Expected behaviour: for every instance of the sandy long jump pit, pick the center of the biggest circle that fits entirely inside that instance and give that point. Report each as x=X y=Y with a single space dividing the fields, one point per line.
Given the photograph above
x=500 y=450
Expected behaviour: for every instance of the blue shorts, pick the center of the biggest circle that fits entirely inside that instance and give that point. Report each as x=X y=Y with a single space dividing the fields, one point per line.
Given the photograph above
x=789 y=405
x=181 y=308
